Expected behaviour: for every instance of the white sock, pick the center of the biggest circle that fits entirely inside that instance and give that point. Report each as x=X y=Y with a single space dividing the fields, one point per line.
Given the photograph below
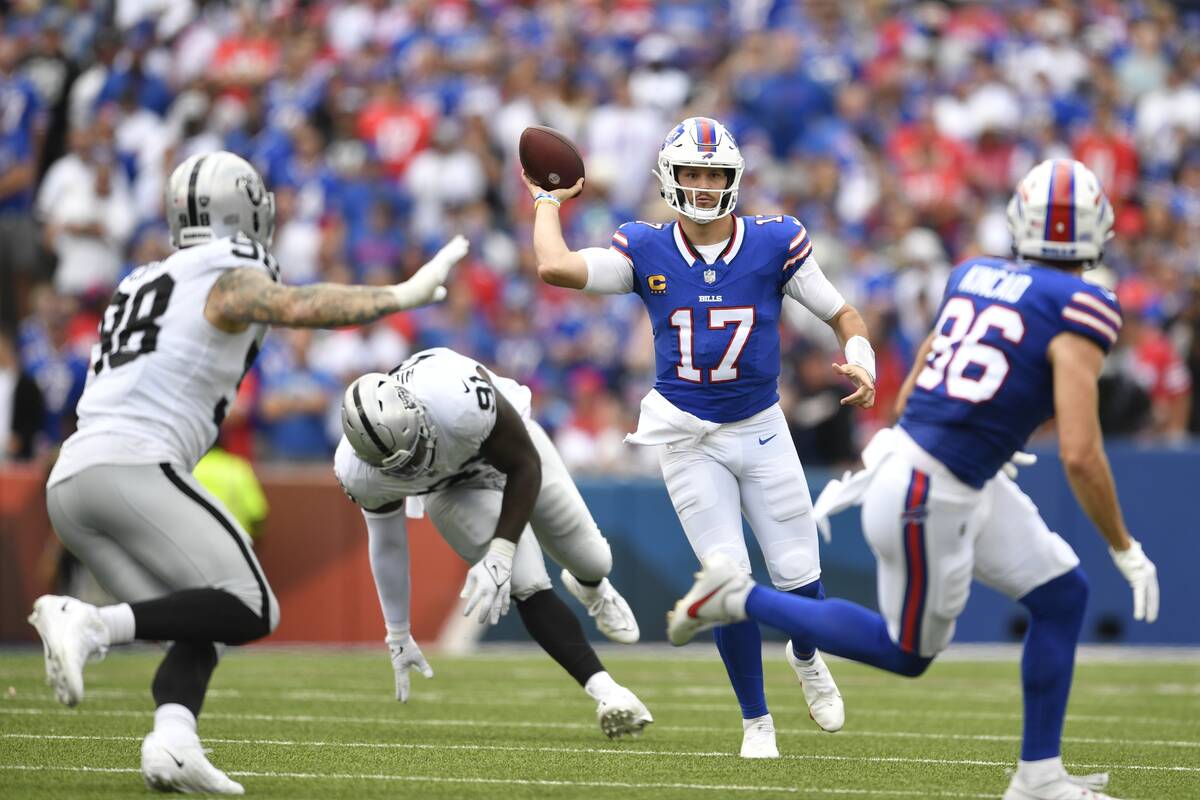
x=175 y=722
x=1036 y=773
x=746 y=723
x=599 y=685
x=119 y=621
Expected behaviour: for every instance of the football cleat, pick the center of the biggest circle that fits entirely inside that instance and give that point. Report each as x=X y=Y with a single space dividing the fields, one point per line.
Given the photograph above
x=758 y=738
x=182 y=767
x=604 y=604
x=820 y=692
x=72 y=634
x=1062 y=787
x=718 y=597
x=620 y=712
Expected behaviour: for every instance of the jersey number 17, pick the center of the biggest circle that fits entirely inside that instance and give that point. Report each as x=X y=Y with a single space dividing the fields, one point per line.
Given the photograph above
x=718 y=317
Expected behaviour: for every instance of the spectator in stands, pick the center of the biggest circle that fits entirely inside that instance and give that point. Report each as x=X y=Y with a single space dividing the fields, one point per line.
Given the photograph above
x=297 y=401
x=22 y=408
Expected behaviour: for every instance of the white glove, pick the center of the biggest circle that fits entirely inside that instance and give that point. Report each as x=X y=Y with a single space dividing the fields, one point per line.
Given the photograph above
x=489 y=582
x=1143 y=578
x=405 y=653
x=1019 y=459
x=425 y=286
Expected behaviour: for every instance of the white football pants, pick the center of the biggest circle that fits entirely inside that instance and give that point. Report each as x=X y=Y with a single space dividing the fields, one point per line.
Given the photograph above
x=747 y=467
x=932 y=534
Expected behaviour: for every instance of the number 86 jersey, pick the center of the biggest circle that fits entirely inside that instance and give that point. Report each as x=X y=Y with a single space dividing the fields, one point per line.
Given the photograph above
x=162 y=376
x=987 y=383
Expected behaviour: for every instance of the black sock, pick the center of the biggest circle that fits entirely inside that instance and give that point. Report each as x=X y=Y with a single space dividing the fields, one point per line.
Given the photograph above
x=183 y=675
x=203 y=615
x=555 y=628
x=592 y=584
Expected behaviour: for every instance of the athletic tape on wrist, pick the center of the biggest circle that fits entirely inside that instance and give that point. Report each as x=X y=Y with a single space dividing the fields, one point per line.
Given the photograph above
x=859 y=353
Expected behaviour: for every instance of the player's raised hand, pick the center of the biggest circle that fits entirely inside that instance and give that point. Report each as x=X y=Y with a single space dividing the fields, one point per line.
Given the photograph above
x=1143 y=579
x=489 y=582
x=405 y=654
x=558 y=194
x=864 y=394
x=426 y=286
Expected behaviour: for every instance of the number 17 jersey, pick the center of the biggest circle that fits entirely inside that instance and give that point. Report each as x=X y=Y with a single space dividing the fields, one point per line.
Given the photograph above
x=988 y=383
x=162 y=376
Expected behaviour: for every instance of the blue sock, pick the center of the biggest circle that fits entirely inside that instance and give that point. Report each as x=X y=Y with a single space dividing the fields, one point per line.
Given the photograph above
x=740 y=646
x=816 y=590
x=1055 y=619
x=836 y=626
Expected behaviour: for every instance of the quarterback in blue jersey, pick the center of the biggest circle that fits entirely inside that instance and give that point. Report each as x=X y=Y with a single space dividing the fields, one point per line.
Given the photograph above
x=713 y=284
x=1015 y=343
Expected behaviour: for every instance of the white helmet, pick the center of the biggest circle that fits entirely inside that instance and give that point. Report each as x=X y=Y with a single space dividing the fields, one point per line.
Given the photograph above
x=699 y=142
x=214 y=195
x=387 y=425
x=1059 y=213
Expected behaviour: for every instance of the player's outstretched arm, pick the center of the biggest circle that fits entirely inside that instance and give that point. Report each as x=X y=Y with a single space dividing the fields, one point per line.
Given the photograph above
x=1077 y=363
x=851 y=332
x=557 y=264
x=910 y=381
x=509 y=449
x=244 y=296
x=387 y=538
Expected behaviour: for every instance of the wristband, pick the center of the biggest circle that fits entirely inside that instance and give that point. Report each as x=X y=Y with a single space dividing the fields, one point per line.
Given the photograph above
x=860 y=354
x=546 y=198
x=503 y=548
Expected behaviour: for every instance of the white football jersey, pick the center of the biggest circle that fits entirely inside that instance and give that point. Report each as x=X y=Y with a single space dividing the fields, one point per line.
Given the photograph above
x=162 y=376
x=461 y=410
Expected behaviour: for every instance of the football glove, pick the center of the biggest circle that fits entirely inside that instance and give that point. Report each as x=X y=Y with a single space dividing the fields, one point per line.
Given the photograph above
x=1019 y=459
x=1143 y=579
x=425 y=286
x=489 y=582
x=405 y=654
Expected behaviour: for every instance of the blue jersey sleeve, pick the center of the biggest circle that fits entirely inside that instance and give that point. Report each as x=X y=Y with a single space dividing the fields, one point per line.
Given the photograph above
x=1092 y=312
x=798 y=247
x=621 y=240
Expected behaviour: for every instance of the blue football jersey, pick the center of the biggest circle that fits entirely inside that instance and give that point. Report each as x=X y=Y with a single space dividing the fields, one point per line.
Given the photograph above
x=716 y=326
x=987 y=383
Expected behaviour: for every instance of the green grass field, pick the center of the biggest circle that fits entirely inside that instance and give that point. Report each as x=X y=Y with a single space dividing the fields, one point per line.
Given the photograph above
x=322 y=724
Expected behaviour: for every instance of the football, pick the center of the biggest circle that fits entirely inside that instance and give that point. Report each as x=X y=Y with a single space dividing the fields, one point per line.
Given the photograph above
x=550 y=159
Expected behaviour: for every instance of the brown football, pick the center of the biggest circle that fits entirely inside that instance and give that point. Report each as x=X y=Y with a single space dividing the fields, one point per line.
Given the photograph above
x=549 y=158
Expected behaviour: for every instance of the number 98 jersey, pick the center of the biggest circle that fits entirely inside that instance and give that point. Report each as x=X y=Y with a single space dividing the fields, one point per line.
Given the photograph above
x=987 y=383
x=162 y=376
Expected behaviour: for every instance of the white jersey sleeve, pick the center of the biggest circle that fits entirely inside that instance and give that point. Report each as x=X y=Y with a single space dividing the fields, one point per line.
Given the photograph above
x=376 y=492
x=609 y=271
x=814 y=291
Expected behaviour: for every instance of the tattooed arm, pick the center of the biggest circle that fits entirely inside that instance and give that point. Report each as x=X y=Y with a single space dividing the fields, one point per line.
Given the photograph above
x=244 y=296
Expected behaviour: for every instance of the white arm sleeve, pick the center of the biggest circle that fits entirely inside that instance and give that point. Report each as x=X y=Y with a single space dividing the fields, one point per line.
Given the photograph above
x=388 y=547
x=609 y=272
x=814 y=291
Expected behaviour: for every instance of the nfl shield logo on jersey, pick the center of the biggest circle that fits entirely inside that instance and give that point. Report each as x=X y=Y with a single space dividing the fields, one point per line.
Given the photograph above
x=710 y=276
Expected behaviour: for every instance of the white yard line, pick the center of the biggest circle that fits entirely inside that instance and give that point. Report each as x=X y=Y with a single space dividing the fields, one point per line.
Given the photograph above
x=609 y=751
x=806 y=790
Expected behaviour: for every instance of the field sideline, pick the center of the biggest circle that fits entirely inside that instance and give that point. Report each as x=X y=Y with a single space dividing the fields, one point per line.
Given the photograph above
x=321 y=723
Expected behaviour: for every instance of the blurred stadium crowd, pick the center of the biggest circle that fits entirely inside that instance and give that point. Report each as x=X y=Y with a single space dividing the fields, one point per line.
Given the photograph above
x=894 y=130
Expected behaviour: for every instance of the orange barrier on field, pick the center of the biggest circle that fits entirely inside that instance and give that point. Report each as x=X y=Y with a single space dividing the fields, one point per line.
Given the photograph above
x=313 y=549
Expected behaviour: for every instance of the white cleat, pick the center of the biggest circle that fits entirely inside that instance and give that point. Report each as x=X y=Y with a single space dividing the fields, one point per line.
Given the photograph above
x=758 y=738
x=604 y=603
x=182 y=768
x=72 y=634
x=718 y=597
x=824 y=700
x=1064 y=787
x=620 y=712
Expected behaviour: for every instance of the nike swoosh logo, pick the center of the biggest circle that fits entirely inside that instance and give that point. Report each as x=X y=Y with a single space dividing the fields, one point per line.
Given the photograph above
x=764 y=440
x=695 y=607
x=178 y=763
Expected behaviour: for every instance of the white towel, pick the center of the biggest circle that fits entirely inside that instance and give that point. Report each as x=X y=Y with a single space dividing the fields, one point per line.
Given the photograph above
x=414 y=507
x=840 y=494
x=660 y=422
